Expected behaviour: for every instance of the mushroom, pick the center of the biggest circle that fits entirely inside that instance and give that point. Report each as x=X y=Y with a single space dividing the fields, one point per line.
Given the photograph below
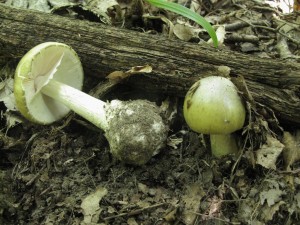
x=48 y=82
x=213 y=106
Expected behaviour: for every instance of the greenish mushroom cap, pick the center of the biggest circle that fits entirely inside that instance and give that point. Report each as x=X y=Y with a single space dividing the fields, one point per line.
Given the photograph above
x=213 y=106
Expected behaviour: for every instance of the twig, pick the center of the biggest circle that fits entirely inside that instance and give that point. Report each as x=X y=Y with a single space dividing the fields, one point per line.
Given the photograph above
x=135 y=212
x=290 y=172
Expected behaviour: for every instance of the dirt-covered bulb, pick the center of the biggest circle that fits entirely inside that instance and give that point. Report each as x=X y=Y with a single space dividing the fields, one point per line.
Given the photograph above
x=136 y=131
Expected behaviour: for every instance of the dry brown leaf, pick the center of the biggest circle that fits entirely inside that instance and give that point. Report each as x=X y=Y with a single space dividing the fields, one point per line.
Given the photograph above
x=271 y=196
x=140 y=69
x=100 y=8
x=117 y=75
x=267 y=155
x=192 y=199
x=220 y=32
x=296 y=5
x=291 y=152
x=90 y=205
x=120 y=75
x=168 y=22
x=267 y=213
x=183 y=32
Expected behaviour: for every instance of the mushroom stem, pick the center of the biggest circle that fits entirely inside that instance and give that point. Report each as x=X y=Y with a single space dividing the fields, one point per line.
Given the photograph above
x=134 y=129
x=90 y=108
x=223 y=144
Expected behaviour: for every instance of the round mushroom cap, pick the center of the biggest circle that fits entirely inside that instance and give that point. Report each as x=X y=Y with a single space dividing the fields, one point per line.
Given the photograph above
x=213 y=106
x=42 y=63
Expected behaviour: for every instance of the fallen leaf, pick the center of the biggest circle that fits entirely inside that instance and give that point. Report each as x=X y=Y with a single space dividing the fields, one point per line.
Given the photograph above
x=100 y=8
x=267 y=155
x=192 y=199
x=291 y=151
x=40 y=5
x=272 y=196
x=267 y=213
x=90 y=205
x=168 y=22
x=297 y=197
x=120 y=75
x=131 y=221
x=7 y=95
x=140 y=69
x=117 y=75
x=143 y=188
x=171 y=216
x=220 y=32
x=183 y=32
x=12 y=119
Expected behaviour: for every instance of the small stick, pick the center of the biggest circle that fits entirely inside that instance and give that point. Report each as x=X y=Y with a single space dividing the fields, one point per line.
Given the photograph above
x=135 y=212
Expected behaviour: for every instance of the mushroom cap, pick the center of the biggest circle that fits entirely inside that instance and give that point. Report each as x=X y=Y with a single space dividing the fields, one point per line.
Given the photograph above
x=213 y=106
x=42 y=63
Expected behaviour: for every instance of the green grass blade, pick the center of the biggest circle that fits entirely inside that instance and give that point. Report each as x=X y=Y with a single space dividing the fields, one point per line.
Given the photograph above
x=179 y=9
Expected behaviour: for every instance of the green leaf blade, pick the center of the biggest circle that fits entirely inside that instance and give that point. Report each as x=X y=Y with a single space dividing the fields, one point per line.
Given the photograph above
x=181 y=10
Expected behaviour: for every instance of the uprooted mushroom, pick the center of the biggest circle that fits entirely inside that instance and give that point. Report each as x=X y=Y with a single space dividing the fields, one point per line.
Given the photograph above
x=48 y=82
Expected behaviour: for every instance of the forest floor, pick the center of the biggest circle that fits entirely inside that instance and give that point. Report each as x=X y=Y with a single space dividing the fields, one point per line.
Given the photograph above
x=65 y=174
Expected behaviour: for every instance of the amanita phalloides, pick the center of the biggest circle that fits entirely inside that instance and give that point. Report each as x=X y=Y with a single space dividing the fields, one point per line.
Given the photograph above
x=213 y=106
x=48 y=82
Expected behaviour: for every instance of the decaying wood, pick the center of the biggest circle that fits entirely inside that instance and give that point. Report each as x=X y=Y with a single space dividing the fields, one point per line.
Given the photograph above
x=176 y=64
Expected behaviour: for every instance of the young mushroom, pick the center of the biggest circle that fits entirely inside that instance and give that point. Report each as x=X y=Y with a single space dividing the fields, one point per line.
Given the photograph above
x=48 y=82
x=213 y=106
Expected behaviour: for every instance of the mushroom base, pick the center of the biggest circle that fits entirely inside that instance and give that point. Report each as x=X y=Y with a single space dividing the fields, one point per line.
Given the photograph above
x=135 y=131
x=223 y=144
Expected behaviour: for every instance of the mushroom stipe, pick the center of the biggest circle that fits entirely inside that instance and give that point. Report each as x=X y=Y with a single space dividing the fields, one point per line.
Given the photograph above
x=48 y=82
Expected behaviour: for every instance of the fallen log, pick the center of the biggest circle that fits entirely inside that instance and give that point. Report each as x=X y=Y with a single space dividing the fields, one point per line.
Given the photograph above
x=176 y=64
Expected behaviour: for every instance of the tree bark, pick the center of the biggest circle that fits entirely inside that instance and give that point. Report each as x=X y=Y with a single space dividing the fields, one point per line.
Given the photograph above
x=176 y=64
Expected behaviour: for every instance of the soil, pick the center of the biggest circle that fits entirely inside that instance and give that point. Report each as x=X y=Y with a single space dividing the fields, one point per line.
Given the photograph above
x=65 y=174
